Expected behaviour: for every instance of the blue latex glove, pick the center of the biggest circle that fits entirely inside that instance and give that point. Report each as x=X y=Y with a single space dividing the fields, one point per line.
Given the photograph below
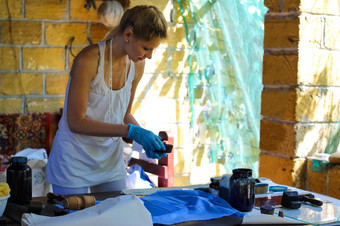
x=148 y=140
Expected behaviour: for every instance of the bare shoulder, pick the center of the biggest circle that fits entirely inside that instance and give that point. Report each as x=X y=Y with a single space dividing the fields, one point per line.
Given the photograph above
x=87 y=60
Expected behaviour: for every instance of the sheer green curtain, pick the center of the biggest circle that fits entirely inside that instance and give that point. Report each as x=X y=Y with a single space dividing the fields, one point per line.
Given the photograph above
x=225 y=80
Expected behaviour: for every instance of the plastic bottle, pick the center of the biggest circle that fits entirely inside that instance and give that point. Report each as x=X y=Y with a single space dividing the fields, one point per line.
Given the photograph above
x=19 y=179
x=242 y=190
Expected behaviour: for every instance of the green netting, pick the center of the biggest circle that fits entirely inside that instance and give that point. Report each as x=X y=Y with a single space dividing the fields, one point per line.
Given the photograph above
x=225 y=80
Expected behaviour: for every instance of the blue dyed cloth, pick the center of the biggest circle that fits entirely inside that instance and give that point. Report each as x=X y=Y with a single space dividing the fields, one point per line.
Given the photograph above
x=175 y=206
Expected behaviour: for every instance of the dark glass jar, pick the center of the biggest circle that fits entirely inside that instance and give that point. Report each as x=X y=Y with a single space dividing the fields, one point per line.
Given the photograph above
x=19 y=179
x=242 y=190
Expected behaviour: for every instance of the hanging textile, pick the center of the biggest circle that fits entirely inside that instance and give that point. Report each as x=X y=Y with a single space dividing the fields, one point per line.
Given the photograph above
x=225 y=82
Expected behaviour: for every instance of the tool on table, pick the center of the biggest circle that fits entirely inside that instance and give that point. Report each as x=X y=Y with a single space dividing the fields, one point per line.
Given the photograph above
x=77 y=203
x=15 y=211
x=311 y=199
x=168 y=149
x=54 y=198
x=290 y=199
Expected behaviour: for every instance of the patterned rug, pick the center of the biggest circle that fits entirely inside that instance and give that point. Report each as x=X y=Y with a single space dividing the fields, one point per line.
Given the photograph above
x=20 y=131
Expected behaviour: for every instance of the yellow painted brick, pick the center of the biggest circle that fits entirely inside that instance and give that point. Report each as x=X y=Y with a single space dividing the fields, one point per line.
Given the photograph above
x=332 y=33
x=14 y=7
x=9 y=58
x=316 y=181
x=287 y=5
x=278 y=104
x=272 y=5
x=98 y=32
x=10 y=105
x=181 y=181
x=51 y=105
x=18 y=84
x=320 y=7
x=145 y=110
x=144 y=86
x=280 y=69
x=168 y=86
x=311 y=138
x=277 y=137
x=47 y=9
x=79 y=12
x=61 y=33
x=318 y=67
x=310 y=31
x=181 y=161
x=179 y=63
x=291 y=5
x=22 y=32
x=334 y=183
x=56 y=83
x=180 y=136
x=291 y=172
x=318 y=105
x=307 y=105
x=177 y=36
x=281 y=33
x=158 y=63
x=44 y=58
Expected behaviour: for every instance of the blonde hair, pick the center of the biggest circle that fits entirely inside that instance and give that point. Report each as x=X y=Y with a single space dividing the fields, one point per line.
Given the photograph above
x=147 y=22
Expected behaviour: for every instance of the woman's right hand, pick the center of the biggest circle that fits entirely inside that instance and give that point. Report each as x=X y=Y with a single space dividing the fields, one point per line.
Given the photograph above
x=148 y=140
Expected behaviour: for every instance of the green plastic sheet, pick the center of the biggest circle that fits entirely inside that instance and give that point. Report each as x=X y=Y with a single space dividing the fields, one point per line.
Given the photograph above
x=225 y=81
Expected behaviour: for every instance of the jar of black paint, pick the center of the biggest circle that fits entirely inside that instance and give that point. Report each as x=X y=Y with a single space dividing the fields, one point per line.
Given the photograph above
x=242 y=190
x=19 y=179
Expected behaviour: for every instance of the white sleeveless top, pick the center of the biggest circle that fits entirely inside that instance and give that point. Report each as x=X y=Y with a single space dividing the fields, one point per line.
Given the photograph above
x=78 y=160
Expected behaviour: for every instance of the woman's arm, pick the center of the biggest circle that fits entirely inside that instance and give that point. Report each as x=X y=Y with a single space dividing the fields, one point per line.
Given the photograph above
x=83 y=71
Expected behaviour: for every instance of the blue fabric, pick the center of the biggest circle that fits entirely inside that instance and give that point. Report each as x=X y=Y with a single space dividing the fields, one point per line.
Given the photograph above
x=143 y=175
x=175 y=206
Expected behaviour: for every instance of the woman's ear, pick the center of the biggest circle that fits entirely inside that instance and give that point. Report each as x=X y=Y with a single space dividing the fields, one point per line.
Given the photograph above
x=128 y=33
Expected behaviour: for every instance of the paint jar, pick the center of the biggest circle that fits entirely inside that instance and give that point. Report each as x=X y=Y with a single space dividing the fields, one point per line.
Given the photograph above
x=242 y=190
x=19 y=179
x=214 y=186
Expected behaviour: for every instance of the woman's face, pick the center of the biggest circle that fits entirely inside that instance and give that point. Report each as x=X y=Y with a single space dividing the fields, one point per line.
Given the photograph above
x=138 y=49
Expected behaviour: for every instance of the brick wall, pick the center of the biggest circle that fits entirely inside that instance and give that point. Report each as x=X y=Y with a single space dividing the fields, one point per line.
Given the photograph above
x=36 y=57
x=301 y=96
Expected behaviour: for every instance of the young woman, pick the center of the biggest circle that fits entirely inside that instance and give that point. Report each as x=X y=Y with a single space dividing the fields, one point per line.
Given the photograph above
x=87 y=151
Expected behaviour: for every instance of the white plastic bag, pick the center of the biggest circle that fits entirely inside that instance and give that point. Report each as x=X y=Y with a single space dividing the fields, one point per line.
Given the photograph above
x=37 y=160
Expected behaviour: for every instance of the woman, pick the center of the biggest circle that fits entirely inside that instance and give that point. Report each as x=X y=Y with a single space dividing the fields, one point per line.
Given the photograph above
x=87 y=151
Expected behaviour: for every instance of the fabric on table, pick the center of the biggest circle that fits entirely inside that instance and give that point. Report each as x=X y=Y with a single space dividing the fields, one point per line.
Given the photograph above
x=175 y=206
x=126 y=210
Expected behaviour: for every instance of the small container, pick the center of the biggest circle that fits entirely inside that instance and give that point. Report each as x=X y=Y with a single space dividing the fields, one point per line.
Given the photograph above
x=265 y=209
x=261 y=188
x=224 y=186
x=242 y=190
x=19 y=179
x=214 y=186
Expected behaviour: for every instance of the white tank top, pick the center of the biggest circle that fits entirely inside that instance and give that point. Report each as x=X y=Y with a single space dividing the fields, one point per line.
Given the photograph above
x=78 y=160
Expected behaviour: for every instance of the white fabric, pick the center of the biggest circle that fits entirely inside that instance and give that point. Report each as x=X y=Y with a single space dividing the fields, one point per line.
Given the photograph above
x=126 y=210
x=78 y=160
